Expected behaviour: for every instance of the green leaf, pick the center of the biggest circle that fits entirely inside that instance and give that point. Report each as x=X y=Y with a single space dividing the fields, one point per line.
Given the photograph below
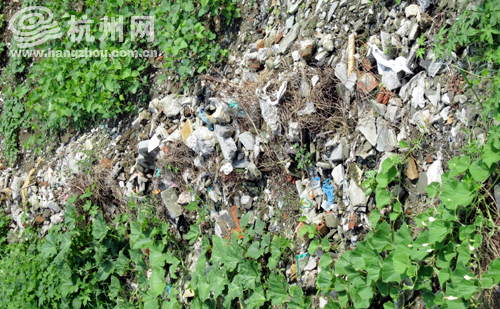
x=49 y=247
x=298 y=300
x=382 y=238
x=403 y=144
x=277 y=292
x=325 y=281
x=105 y=269
x=313 y=246
x=193 y=234
x=382 y=198
x=218 y=251
x=156 y=283
x=234 y=291
x=249 y=273
x=115 y=286
x=325 y=244
x=156 y=256
x=233 y=254
x=257 y=297
x=99 y=228
x=187 y=6
x=388 y=272
x=70 y=216
x=480 y=171
x=325 y=260
x=217 y=281
x=254 y=250
x=433 y=189
x=122 y=264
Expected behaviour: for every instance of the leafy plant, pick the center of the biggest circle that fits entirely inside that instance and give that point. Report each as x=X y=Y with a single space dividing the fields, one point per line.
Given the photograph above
x=421 y=50
x=303 y=157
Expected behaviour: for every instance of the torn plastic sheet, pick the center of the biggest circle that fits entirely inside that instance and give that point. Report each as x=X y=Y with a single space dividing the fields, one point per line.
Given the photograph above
x=268 y=107
x=328 y=189
x=384 y=65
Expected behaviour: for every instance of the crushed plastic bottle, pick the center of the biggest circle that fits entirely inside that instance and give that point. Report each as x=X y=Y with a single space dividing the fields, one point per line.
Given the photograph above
x=204 y=117
x=236 y=107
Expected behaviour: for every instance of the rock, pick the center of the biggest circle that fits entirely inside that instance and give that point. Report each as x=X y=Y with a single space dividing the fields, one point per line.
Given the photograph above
x=414 y=32
x=331 y=220
x=202 y=141
x=293 y=131
x=56 y=219
x=367 y=82
x=153 y=143
x=434 y=172
x=289 y=22
x=225 y=131
x=169 y=197
x=53 y=206
x=340 y=152
x=390 y=45
x=311 y=264
x=227 y=145
x=306 y=49
x=186 y=131
x=294 y=7
x=221 y=115
x=412 y=10
x=387 y=139
x=327 y=43
x=247 y=139
x=246 y=201
x=338 y=174
x=16 y=185
x=262 y=54
x=170 y=105
x=411 y=170
x=351 y=82
x=496 y=194
x=432 y=67
x=289 y=39
x=356 y=194
x=185 y=198
x=333 y=7
x=391 y=80
x=341 y=72
x=366 y=125
x=46 y=214
x=309 y=109
x=422 y=183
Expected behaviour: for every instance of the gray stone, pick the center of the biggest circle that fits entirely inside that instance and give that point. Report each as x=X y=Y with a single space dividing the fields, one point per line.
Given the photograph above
x=338 y=174
x=241 y=163
x=366 y=125
x=391 y=80
x=433 y=95
x=262 y=54
x=16 y=185
x=327 y=42
x=169 y=197
x=422 y=183
x=356 y=194
x=387 y=139
x=247 y=139
x=202 y=141
x=53 y=206
x=221 y=115
x=290 y=21
x=246 y=201
x=225 y=131
x=432 y=66
x=287 y=41
x=170 y=105
x=340 y=152
x=56 y=219
x=321 y=57
x=496 y=194
x=435 y=171
x=414 y=32
x=351 y=82
x=390 y=44
x=46 y=214
x=332 y=221
x=341 y=72
x=412 y=10
x=185 y=198
x=333 y=7
x=227 y=145
x=294 y=7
